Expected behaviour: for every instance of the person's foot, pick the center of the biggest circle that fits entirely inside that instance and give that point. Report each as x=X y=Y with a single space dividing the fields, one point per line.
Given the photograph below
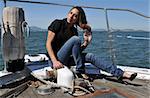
x=133 y=76
x=129 y=76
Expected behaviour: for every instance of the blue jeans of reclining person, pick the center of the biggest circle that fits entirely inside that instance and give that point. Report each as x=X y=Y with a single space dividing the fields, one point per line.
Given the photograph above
x=101 y=64
x=72 y=47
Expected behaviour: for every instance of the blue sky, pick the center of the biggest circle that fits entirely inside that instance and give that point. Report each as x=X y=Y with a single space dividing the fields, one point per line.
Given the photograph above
x=43 y=15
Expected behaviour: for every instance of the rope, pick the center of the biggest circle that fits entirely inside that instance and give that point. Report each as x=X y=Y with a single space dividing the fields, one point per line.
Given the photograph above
x=85 y=91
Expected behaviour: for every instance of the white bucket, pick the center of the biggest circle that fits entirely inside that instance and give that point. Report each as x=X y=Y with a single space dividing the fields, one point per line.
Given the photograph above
x=65 y=77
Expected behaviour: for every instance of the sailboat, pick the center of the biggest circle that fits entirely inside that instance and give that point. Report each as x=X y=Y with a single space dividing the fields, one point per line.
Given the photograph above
x=22 y=69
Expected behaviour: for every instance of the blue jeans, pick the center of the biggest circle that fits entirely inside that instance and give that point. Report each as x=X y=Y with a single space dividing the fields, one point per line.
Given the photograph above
x=72 y=47
x=101 y=64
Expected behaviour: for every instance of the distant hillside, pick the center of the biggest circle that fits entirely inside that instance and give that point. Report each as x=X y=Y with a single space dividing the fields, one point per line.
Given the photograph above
x=34 y=28
x=121 y=30
x=129 y=30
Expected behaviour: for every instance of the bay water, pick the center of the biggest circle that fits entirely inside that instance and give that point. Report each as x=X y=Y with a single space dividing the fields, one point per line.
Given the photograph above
x=131 y=48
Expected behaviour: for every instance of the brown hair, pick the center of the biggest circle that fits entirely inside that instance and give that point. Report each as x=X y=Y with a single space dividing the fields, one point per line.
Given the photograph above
x=82 y=21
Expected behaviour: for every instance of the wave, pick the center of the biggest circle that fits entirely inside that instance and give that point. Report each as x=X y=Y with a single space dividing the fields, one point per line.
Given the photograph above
x=135 y=37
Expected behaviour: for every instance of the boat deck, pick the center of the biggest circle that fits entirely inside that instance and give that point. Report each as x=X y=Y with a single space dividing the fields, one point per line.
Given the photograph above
x=31 y=93
x=105 y=88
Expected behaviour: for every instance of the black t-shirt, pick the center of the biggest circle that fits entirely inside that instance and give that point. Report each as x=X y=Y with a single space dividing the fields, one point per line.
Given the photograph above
x=62 y=33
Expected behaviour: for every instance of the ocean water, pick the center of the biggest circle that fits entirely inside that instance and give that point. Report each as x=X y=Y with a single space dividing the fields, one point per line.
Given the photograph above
x=130 y=48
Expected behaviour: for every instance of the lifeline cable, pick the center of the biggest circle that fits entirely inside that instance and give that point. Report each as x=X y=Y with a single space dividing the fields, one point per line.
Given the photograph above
x=91 y=7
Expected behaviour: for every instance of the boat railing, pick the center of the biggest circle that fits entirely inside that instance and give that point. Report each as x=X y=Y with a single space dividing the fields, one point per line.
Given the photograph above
x=110 y=37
